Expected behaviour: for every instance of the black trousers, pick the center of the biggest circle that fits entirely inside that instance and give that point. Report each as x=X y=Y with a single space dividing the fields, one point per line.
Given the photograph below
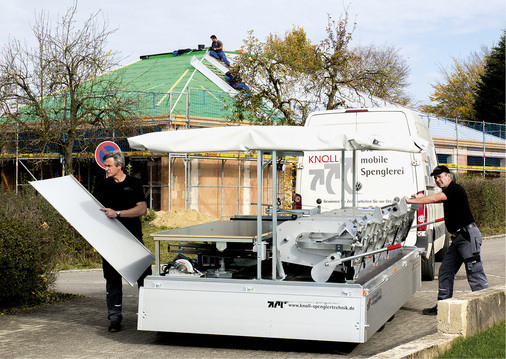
x=465 y=249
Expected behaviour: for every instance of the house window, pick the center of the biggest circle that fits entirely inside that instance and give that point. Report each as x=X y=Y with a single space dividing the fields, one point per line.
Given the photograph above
x=443 y=158
x=478 y=161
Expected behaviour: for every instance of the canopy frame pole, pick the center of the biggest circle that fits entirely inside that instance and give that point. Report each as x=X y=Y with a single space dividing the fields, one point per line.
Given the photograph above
x=274 y=215
x=354 y=179
x=259 y=213
x=343 y=177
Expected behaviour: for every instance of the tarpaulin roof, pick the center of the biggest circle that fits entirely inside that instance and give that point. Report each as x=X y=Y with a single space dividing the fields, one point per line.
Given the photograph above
x=270 y=138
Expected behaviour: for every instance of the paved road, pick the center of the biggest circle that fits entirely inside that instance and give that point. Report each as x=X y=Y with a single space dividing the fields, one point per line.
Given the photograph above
x=78 y=328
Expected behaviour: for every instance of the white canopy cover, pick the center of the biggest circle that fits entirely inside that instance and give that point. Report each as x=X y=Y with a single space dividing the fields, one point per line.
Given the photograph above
x=270 y=138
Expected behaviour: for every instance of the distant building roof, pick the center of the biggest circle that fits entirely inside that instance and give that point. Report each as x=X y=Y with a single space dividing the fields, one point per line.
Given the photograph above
x=444 y=128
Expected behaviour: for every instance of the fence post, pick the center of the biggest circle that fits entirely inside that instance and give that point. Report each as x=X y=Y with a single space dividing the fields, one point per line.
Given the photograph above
x=457 y=138
x=484 y=148
x=17 y=157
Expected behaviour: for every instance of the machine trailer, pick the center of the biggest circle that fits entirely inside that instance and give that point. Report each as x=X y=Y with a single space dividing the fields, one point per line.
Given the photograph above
x=295 y=274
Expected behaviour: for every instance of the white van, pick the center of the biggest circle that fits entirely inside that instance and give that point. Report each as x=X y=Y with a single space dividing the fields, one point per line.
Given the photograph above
x=380 y=176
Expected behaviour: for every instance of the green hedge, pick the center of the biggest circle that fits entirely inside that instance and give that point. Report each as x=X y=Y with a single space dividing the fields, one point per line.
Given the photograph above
x=487 y=201
x=34 y=241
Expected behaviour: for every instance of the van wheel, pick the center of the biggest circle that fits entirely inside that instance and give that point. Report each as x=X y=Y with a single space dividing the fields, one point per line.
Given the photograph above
x=442 y=252
x=429 y=266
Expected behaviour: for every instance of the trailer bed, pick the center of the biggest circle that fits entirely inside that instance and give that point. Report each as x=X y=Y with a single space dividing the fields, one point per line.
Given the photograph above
x=341 y=312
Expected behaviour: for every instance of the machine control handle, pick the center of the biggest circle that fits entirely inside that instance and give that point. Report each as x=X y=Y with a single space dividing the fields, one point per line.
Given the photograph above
x=341 y=260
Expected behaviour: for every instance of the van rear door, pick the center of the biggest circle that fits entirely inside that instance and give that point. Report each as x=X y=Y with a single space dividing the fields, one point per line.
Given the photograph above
x=384 y=175
x=381 y=175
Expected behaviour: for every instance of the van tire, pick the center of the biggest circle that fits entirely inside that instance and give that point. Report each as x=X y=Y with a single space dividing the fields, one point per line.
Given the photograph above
x=429 y=265
x=442 y=252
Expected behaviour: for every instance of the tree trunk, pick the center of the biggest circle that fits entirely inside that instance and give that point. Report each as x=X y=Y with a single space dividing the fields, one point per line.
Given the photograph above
x=67 y=155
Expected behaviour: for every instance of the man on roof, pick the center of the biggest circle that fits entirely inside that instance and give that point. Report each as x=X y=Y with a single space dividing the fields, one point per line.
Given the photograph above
x=216 y=50
x=234 y=79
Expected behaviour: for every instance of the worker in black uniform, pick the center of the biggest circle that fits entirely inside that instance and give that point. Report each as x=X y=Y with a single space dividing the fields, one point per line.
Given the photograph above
x=123 y=198
x=466 y=237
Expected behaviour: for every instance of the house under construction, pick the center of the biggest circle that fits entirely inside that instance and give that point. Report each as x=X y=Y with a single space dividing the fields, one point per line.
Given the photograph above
x=186 y=89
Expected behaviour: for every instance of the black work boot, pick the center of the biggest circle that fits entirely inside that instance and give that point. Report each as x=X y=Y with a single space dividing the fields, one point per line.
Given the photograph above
x=115 y=326
x=430 y=311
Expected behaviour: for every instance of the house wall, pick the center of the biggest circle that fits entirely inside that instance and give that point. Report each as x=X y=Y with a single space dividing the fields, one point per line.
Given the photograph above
x=220 y=187
x=460 y=151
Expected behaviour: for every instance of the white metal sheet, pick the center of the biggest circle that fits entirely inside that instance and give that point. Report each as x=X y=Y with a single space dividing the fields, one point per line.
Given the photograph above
x=108 y=236
x=252 y=308
x=211 y=75
x=270 y=138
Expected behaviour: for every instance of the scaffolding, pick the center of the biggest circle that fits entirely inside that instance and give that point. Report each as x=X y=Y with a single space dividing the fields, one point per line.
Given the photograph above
x=197 y=108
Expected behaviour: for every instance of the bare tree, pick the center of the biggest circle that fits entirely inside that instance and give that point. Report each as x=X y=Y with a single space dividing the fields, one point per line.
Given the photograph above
x=62 y=86
x=385 y=75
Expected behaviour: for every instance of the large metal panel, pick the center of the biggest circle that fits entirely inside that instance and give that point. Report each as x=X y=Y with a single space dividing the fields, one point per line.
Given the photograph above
x=108 y=236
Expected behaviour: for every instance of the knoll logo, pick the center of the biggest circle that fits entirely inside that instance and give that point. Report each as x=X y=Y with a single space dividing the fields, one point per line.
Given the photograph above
x=275 y=304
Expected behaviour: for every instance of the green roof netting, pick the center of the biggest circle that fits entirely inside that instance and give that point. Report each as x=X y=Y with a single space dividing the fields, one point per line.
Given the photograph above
x=167 y=84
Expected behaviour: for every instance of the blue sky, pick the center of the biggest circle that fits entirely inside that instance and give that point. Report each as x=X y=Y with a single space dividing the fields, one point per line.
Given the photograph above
x=428 y=33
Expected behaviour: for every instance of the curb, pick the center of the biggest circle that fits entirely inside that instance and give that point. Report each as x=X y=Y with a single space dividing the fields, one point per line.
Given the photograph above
x=433 y=345
x=427 y=347
x=472 y=312
x=494 y=237
x=79 y=270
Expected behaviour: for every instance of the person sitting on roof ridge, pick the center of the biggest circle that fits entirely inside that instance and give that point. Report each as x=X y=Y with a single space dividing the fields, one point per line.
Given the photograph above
x=216 y=50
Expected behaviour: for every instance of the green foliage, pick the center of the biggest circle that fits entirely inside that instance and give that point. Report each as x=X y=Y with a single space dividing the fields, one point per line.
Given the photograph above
x=147 y=229
x=453 y=96
x=34 y=239
x=273 y=71
x=489 y=343
x=151 y=215
x=487 y=201
x=489 y=103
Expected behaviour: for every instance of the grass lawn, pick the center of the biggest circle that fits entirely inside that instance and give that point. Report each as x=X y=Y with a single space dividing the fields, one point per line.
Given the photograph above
x=489 y=343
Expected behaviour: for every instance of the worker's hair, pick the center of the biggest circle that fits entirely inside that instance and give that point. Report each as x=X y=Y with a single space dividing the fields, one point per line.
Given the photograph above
x=213 y=37
x=117 y=157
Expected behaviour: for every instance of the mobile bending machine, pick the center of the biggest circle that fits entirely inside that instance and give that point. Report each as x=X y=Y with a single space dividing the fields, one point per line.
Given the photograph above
x=296 y=274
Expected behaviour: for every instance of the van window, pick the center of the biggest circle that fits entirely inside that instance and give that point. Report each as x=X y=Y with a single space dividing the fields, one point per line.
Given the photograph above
x=388 y=123
x=346 y=121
